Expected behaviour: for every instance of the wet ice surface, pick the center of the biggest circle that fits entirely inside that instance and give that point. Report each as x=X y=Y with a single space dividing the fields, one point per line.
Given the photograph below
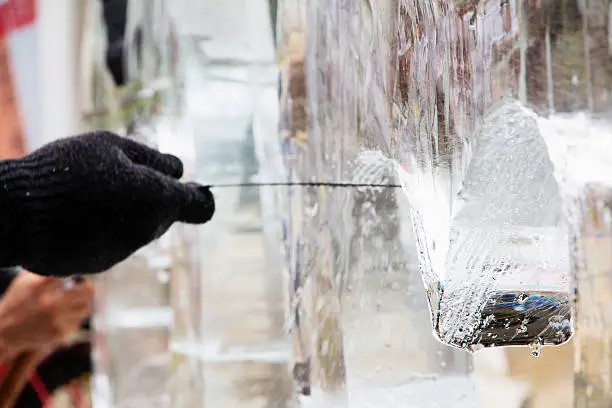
x=502 y=236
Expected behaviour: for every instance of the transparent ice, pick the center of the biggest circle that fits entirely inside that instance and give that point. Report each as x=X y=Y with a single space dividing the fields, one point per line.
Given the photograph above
x=493 y=117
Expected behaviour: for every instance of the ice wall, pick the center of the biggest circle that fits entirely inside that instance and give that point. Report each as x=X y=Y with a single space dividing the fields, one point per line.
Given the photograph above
x=326 y=284
x=358 y=315
x=451 y=100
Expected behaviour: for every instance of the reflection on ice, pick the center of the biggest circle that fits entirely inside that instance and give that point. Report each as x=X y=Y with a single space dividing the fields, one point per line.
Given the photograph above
x=218 y=353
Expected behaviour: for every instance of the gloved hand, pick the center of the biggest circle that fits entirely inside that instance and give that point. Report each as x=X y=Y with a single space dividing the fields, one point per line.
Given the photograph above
x=82 y=204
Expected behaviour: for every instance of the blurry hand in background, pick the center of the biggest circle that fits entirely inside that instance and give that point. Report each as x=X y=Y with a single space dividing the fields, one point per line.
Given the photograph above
x=37 y=312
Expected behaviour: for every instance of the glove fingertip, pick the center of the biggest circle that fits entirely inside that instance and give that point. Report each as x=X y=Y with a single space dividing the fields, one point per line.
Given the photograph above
x=200 y=205
x=173 y=166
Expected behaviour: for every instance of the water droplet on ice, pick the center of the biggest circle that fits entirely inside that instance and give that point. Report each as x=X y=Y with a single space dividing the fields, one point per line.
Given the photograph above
x=536 y=347
x=488 y=320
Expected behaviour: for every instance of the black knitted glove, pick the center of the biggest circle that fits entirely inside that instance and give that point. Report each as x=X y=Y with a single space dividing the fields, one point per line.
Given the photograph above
x=82 y=204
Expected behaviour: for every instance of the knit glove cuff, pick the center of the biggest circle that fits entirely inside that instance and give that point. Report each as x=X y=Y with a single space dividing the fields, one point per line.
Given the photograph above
x=9 y=213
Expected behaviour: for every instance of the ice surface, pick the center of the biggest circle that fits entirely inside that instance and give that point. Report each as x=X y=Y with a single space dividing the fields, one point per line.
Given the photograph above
x=486 y=206
x=509 y=181
x=323 y=284
x=504 y=227
x=358 y=318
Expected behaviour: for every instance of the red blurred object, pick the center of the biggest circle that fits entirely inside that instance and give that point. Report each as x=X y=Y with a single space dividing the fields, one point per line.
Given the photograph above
x=40 y=388
x=16 y=377
x=45 y=397
x=16 y=14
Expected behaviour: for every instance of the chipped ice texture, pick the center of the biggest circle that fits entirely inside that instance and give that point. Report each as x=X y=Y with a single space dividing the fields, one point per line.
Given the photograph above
x=449 y=95
x=501 y=228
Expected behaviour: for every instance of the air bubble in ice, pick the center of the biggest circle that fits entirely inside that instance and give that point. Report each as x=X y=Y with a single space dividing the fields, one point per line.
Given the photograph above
x=488 y=320
x=536 y=347
x=312 y=211
x=522 y=298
